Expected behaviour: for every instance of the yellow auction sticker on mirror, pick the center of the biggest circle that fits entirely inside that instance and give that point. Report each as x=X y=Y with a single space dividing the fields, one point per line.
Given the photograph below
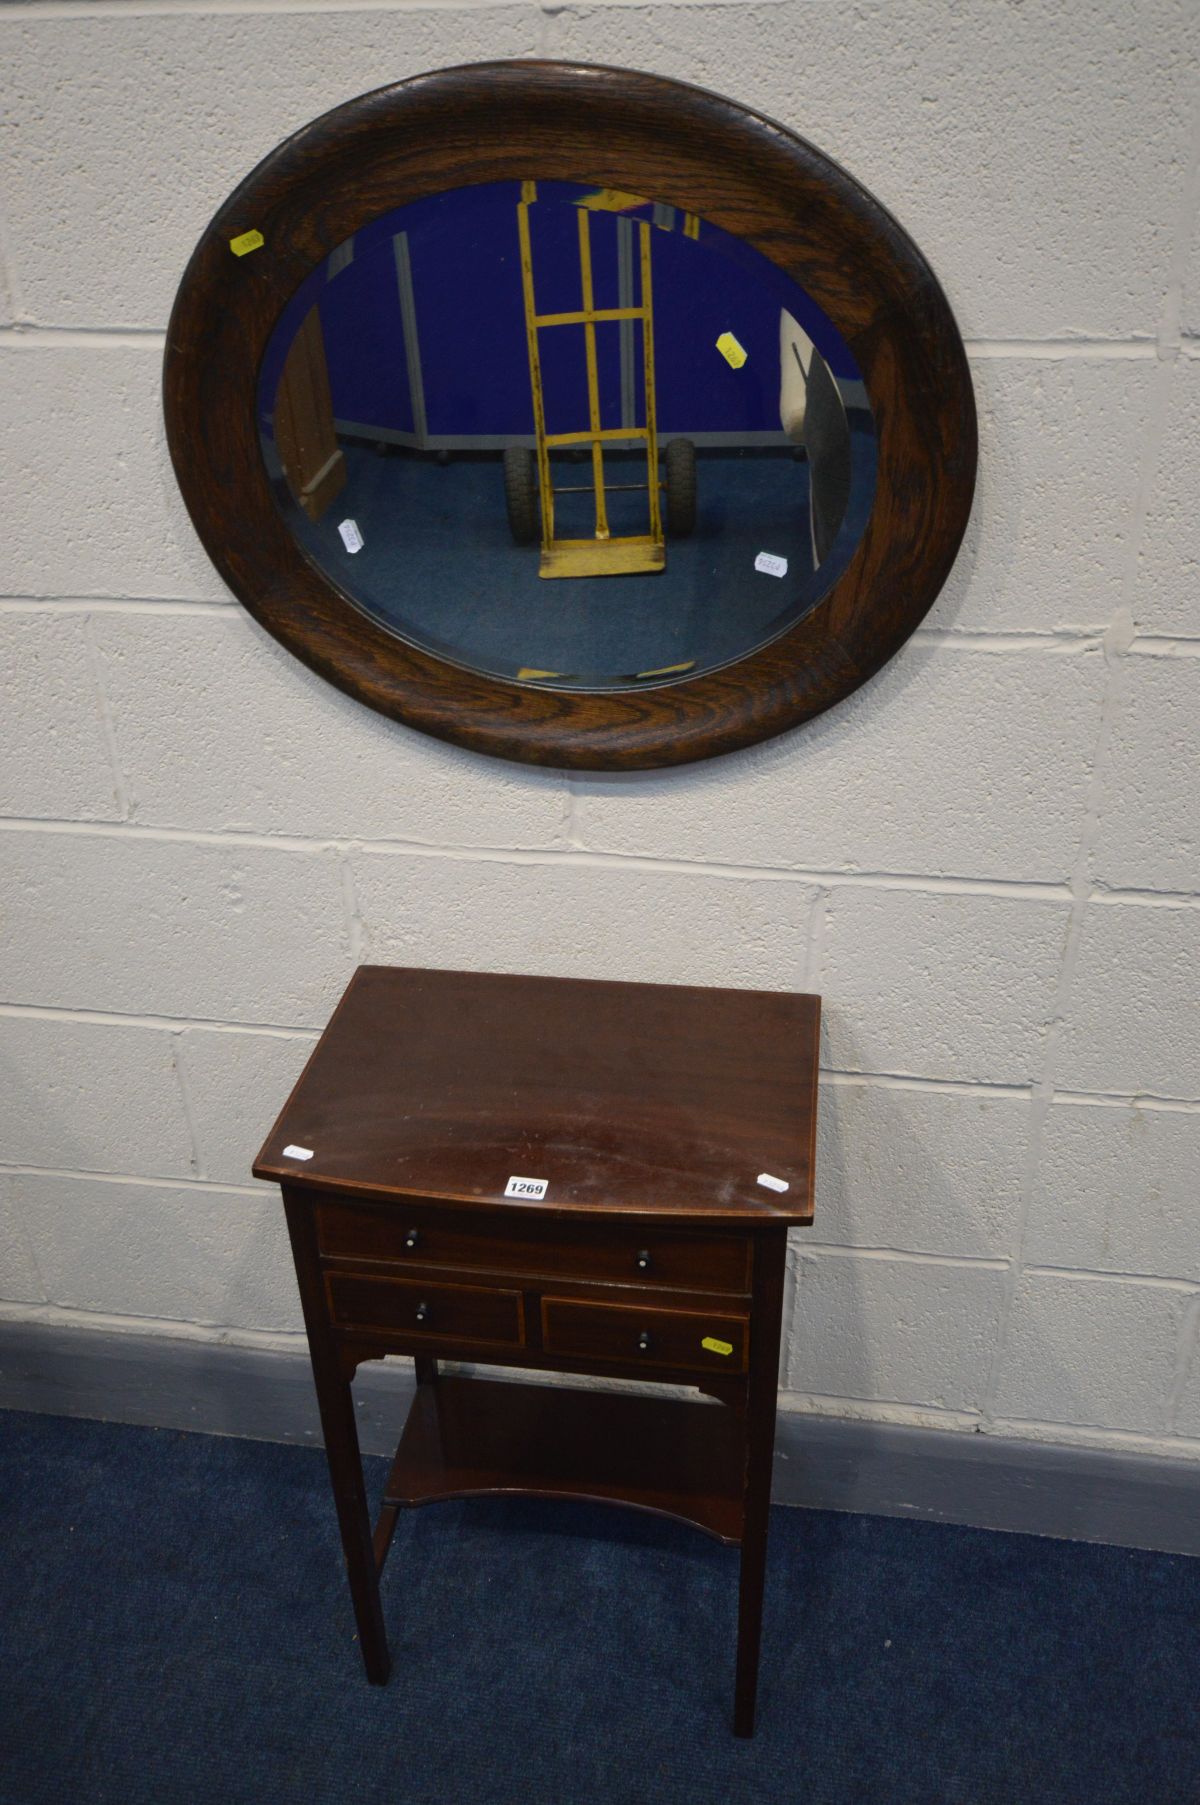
x=717 y=1347
x=734 y=354
x=246 y=241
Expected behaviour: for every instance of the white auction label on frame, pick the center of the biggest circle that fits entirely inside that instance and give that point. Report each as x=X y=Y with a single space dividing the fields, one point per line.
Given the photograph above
x=352 y=539
x=526 y=1187
x=771 y=564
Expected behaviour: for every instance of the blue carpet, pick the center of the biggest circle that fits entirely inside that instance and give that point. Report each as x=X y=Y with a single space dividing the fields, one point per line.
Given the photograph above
x=176 y=1627
x=438 y=564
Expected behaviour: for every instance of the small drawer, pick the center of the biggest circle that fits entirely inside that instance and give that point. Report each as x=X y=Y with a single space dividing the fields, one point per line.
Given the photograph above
x=463 y=1313
x=510 y=1242
x=671 y=1338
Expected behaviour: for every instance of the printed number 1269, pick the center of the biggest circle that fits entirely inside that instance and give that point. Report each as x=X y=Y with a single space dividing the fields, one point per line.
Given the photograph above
x=526 y=1187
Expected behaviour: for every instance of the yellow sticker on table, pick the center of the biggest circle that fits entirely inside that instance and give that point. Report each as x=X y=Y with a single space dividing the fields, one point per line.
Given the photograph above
x=246 y=241
x=716 y=1347
x=734 y=354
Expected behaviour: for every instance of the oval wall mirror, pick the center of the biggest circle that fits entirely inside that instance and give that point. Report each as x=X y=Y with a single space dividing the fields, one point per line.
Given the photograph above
x=570 y=414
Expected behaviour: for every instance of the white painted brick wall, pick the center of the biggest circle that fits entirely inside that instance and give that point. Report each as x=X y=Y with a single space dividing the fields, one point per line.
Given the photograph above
x=918 y=1332
x=1134 y=1019
x=236 y=1085
x=189 y=1253
x=1048 y=544
x=19 y=1280
x=1187 y=1421
x=938 y=983
x=1092 y=1351
x=93 y=1097
x=1150 y=825
x=1118 y=1190
x=891 y=781
x=923 y=1171
x=159 y=926
x=93 y=103
x=272 y=747
x=86 y=491
x=584 y=920
x=1166 y=600
x=987 y=861
x=56 y=753
x=993 y=132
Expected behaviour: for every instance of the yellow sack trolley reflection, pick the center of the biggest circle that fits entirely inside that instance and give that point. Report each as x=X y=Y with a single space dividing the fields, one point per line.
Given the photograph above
x=529 y=486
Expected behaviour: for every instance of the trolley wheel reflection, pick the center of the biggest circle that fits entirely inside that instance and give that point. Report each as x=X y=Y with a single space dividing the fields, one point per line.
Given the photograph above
x=680 y=457
x=521 y=493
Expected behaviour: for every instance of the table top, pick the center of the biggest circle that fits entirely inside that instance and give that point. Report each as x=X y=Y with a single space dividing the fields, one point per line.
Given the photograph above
x=649 y=1099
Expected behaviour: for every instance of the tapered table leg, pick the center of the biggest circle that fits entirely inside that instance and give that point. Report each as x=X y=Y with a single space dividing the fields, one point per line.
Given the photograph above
x=336 y=1404
x=762 y=1387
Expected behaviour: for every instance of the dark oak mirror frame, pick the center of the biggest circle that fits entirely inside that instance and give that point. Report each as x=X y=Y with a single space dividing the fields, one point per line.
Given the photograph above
x=683 y=146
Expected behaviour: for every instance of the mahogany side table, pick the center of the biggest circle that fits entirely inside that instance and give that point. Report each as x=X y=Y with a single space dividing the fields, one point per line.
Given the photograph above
x=558 y=1175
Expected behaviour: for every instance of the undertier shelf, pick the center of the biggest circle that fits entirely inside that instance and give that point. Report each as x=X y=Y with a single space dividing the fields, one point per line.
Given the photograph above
x=479 y=1437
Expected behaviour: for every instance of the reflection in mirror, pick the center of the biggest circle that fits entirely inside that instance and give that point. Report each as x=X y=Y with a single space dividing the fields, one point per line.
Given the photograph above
x=519 y=381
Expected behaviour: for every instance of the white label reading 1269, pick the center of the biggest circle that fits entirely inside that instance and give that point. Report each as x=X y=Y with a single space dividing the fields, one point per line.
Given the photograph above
x=526 y=1187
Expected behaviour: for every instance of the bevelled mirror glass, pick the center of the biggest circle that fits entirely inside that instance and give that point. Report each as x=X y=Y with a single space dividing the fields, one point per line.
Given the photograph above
x=566 y=435
x=575 y=415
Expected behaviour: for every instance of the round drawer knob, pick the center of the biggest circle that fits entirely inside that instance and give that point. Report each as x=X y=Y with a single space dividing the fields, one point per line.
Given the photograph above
x=422 y=1312
x=643 y=1342
x=413 y=1238
x=642 y=1259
